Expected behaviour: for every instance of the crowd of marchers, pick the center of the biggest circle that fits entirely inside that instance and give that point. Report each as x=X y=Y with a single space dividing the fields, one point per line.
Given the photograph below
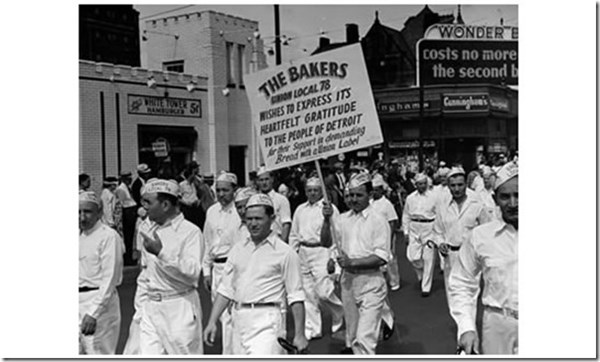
x=293 y=242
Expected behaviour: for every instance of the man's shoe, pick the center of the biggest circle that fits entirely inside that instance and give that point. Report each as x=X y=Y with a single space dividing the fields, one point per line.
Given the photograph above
x=339 y=335
x=346 y=350
x=395 y=288
x=387 y=331
x=424 y=294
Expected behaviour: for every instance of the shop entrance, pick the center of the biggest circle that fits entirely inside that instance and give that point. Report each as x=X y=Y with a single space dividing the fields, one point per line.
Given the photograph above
x=463 y=151
x=237 y=163
x=166 y=149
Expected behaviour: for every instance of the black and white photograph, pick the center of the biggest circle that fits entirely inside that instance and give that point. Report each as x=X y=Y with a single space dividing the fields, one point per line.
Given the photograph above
x=323 y=180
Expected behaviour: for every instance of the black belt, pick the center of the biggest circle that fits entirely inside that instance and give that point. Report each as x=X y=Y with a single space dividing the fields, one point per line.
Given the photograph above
x=256 y=305
x=362 y=271
x=220 y=260
x=453 y=248
x=309 y=245
x=422 y=220
x=87 y=289
x=504 y=311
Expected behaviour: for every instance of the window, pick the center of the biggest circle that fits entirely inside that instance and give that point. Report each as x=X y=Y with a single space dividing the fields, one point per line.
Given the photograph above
x=241 y=66
x=230 y=63
x=173 y=66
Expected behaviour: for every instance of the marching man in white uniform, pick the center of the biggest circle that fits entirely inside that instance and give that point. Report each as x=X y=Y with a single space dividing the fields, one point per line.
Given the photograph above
x=486 y=194
x=364 y=246
x=492 y=254
x=456 y=218
x=259 y=273
x=305 y=238
x=220 y=218
x=283 y=214
x=100 y=272
x=417 y=221
x=171 y=316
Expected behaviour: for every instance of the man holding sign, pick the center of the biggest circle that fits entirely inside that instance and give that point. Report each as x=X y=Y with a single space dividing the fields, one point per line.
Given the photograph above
x=364 y=246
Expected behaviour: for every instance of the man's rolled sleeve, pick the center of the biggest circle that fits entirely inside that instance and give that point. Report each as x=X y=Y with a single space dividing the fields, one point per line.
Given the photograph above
x=381 y=236
x=292 y=278
x=226 y=286
x=111 y=269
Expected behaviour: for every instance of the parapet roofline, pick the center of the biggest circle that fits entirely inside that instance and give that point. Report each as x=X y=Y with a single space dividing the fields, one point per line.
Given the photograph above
x=199 y=14
x=127 y=71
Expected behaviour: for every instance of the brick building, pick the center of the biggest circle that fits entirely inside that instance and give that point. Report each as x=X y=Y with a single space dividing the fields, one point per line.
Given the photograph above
x=221 y=48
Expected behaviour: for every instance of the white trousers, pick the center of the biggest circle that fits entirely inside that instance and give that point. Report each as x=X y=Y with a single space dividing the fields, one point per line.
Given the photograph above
x=132 y=346
x=449 y=262
x=226 y=322
x=500 y=334
x=422 y=258
x=319 y=289
x=387 y=314
x=392 y=271
x=255 y=331
x=108 y=324
x=172 y=326
x=363 y=297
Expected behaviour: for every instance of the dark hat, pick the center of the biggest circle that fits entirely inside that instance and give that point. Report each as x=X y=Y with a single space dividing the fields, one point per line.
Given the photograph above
x=111 y=180
x=125 y=174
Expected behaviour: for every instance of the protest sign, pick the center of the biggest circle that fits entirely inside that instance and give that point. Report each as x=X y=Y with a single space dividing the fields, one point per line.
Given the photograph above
x=313 y=108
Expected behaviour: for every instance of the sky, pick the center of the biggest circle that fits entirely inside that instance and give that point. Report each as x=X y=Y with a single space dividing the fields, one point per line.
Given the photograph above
x=305 y=23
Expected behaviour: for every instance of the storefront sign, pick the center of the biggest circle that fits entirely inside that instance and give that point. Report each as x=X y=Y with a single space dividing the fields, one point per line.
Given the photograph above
x=410 y=144
x=163 y=106
x=313 y=108
x=400 y=106
x=471 y=32
x=160 y=147
x=473 y=102
x=467 y=62
x=499 y=104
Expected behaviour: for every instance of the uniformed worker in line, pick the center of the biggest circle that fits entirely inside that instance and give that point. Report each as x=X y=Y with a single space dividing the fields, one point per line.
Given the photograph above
x=455 y=219
x=486 y=194
x=171 y=316
x=305 y=238
x=258 y=273
x=100 y=272
x=364 y=246
x=417 y=221
x=220 y=218
x=283 y=215
x=490 y=253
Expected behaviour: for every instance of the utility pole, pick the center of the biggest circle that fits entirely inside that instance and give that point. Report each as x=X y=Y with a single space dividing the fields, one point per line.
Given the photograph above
x=277 y=37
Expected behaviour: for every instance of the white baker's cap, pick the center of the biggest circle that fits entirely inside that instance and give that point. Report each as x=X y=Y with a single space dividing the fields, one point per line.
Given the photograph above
x=313 y=182
x=443 y=171
x=227 y=177
x=261 y=171
x=486 y=170
x=170 y=187
x=89 y=196
x=420 y=177
x=259 y=200
x=457 y=170
x=508 y=171
x=378 y=180
x=359 y=179
x=244 y=194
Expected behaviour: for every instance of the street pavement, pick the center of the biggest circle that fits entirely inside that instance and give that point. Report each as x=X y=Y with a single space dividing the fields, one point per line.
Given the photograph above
x=423 y=325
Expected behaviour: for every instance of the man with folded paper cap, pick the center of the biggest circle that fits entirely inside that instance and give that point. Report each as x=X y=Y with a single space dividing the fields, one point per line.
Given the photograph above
x=486 y=194
x=171 y=316
x=364 y=240
x=305 y=238
x=455 y=219
x=283 y=216
x=490 y=253
x=100 y=272
x=129 y=207
x=111 y=213
x=260 y=271
x=144 y=173
x=417 y=222
x=220 y=218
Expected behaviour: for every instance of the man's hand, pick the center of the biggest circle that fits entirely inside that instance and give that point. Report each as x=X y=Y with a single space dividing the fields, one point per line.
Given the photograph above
x=88 y=325
x=444 y=249
x=327 y=209
x=210 y=332
x=154 y=246
x=207 y=282
x=344 y=261
x=330 y=266
x=430 y=244
x=300 y=342
x=469 y=342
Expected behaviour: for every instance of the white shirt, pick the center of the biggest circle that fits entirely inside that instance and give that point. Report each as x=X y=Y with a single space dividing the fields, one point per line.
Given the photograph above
x=177 y=267
x=219 y=219
x=100 y=263
x=124 y=196
x=363 y=234
x=109 y=203
x=493 y=250
x=385 y=208
x=487 y=198
x=307 y=223
x=418 y=205
x=262 y=273
x=283 y=212
x=453 y=226
x=188 y=193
